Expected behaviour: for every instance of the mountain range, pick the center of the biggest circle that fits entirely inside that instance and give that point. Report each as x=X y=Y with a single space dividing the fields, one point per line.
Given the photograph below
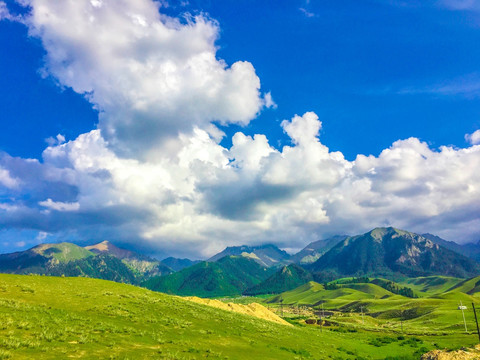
x=471 y=250
x=389 y=251
x=103 y=261
x=287 y=278
x=143 y=265
x=178 y=264
x=252 y=270
x=266 y=255
x=228 y=276
x=313 y=251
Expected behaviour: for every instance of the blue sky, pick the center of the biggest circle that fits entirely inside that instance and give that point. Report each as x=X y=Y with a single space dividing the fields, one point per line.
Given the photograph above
x=372 y=72
x=369 y=69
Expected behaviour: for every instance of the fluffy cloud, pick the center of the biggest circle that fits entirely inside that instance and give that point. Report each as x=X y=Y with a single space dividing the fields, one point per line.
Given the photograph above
x=59 y=139
x=149 y=75
x=59 y=206
x=209 y=196
x=6 y=180
x=473 y=138
x=5 y=13
x=154 y=174
x=414 y=187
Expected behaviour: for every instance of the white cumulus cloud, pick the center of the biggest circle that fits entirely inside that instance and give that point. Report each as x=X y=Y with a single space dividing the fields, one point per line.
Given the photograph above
x=150 y=76
x=208 y=196
x=7 y=180
x=473 y=138
x=59 y=206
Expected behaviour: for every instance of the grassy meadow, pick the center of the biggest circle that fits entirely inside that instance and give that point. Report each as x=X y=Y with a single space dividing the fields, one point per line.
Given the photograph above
x=45 y=317
x=433 y=312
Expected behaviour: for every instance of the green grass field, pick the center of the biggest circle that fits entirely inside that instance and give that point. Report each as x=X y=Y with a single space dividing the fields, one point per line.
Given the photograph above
x=434 y=313
x=52 y=317
x=430 y=285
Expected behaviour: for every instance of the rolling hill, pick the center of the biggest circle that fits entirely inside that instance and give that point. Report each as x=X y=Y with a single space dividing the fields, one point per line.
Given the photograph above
x=287 y=278
x=231 y=275
x=102 y=320
x=432 y=285
x=468 y=286
x=389 y=251
x=368 y=306
x=314 y=294
x=265 y=255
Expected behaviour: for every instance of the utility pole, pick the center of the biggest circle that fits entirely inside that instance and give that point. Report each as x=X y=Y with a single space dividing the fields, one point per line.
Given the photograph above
x=476 y=320
x=281 y=307
x=361 y=309
x=463 y=314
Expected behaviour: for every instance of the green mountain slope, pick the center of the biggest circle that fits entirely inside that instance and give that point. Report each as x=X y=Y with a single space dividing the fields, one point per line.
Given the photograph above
x=451 y=245
x=104 y=267
x=469 y=286
x=471 y=250
x=266 y=255
x=287 y=278
x=431 y=285
x=395 y=288
x=102 y=261
x=386 y=251
x=370 y=306
x=63 y=252
x=314 y=250
x=144 y=266
x=313 y=294
x=374 y=289
x=178 y=264
x=230 y=275
x=41 y=257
